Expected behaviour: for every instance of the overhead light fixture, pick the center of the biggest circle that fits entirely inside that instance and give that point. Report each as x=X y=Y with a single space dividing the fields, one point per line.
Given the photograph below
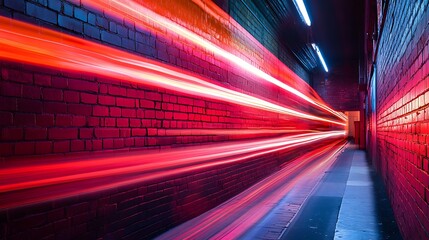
x=299 y=4
x=320 y=56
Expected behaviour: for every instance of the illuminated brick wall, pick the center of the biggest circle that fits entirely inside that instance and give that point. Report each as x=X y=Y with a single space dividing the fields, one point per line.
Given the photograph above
x=48 y=111
x=57 y=111
x=402 y=115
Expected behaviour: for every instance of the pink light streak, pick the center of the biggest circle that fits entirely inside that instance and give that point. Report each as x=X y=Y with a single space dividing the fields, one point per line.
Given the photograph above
x=27 y=43
x=229 y=132
x=146 y=18
x=28 y=182
x=236 y=216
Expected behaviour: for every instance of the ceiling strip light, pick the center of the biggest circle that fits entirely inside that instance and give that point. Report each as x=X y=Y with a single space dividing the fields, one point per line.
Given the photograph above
x=320 y=56
x=302 y=11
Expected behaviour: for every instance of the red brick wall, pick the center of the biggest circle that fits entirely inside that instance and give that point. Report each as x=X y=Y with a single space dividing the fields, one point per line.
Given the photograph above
x=49 y=111
x=143 y=210
x=338 y=88
x=54 y=111
x=402 y=115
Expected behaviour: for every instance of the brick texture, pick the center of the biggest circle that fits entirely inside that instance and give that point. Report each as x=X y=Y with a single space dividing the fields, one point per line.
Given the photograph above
x=402 y=89
x=139 y=211
x=339 y=89
x=63 y=103
x=256 y=21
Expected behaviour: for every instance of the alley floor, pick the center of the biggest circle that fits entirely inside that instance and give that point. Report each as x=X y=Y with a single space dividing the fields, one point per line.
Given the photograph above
x=335 y=195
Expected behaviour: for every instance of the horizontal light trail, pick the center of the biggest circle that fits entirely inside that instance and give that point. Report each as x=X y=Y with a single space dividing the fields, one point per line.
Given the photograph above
x=237 y=216
x=152 y=161
x=28 y=43
x=21 y=184
x=230 y=132
x=145 y=18
x=275 y=189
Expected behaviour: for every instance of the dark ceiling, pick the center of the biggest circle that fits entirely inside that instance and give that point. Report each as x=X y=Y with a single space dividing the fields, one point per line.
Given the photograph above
x=337 y=28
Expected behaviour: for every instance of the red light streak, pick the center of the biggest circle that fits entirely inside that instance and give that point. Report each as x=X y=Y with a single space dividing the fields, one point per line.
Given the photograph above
x=235 y=217
x=202 y=131
x=146 y=18
x=28 y=182
x=27 y=43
